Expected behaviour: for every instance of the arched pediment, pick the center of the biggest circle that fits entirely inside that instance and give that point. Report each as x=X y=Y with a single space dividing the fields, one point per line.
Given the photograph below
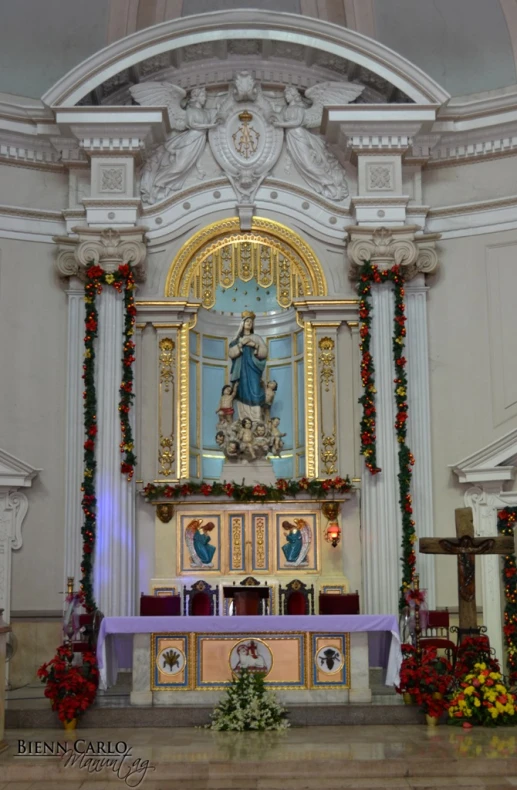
x=131 y=58
x=271 y=253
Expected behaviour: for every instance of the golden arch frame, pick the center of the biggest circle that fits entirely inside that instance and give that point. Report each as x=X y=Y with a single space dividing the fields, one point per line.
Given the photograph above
x=292 y=265
x=212 y=257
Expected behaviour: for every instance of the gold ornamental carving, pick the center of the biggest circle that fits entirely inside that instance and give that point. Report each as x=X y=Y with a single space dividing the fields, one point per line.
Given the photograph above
x=166 y=441
x=311 y=458
x=246 y=138
x=166 y=455
x=167 y=346
x=260 y=543
x=329 y=453
x=219 y=254
x=236 y=542
x=165 y=511
x=327 y=360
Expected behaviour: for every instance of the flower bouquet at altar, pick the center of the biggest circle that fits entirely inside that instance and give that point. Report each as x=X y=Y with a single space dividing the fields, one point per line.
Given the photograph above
x=248 y=705
x=71 y=688
x=483 y=699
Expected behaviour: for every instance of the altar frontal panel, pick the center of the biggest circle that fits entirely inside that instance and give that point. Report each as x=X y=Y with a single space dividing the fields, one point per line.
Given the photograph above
x=330 y=655
x=281 y=657
x=170 y=662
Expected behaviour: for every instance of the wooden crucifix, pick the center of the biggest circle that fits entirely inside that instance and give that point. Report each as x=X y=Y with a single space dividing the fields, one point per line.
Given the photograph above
x=465 y=546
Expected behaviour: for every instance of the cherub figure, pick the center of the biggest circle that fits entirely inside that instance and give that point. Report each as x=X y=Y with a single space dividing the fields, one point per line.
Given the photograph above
x=233 y=449
x=246 y=437
x=271 y=388
x=277 y=444
x=261 y=439
x=220 y=439
x=225 y=409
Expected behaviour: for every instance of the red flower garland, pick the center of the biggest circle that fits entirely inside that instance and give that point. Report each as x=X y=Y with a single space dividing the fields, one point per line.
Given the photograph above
x=505 y=526
x=123 y=281
x=369 y=275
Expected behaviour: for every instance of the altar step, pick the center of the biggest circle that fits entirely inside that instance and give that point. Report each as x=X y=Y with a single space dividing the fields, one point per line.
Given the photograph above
x=312 y=758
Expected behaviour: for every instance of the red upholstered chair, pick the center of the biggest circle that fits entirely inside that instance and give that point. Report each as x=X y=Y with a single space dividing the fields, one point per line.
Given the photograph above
x=160 y=605
x=201 y=600
x=436 y=633
x=339 y=603
x=296 y=598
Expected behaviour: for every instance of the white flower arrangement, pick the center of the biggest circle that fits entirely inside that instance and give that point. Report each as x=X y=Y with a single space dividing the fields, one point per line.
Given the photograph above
x=249 y=706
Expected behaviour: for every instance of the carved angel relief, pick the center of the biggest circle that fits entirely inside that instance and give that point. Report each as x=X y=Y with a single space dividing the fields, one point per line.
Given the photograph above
x=246 y=130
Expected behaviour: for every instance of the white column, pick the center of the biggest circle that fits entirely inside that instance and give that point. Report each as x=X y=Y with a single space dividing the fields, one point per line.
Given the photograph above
x=380 y=511
x=419 y=425
x=74 y=430
x=115 y=544
x=485 y=502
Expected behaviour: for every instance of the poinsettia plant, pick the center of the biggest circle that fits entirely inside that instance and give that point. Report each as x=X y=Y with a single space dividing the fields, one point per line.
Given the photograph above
x=70 y=688
x=427 y=679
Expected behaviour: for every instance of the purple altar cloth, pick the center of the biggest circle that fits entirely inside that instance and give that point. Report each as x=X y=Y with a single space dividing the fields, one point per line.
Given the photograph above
x=113 y=627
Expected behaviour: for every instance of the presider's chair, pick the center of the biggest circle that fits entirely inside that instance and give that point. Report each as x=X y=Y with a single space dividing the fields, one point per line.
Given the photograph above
x=296 y=598
x=339 y=603
x=201 y=600
x=436 y=632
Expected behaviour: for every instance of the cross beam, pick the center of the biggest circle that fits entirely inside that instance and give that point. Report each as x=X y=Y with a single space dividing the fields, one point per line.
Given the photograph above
x=465 y=546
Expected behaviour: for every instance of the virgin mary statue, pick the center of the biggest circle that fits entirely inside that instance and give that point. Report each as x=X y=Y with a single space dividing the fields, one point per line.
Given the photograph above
x=248 y=353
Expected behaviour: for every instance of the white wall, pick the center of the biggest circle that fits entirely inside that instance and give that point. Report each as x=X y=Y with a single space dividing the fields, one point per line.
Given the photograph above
x=33 y=331
x=464 y=373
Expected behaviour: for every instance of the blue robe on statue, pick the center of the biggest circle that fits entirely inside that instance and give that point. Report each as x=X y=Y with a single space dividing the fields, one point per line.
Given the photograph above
x=247 y=370
x=204 y=551
x=293 y=547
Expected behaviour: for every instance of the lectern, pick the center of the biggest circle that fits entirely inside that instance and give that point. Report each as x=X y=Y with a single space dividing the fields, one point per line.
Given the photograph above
x=246 y=599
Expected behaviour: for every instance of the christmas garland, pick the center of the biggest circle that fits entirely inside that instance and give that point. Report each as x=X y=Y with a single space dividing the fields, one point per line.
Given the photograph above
x=369 y=275
x=121 y=280
x=505 y=526
x=318 y=489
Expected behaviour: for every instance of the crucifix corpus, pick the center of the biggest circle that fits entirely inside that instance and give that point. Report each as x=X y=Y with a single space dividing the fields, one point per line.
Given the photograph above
x=465 y=546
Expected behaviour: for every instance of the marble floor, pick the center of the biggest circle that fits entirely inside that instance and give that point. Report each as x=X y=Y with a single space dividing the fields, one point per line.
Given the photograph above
x=322 y=758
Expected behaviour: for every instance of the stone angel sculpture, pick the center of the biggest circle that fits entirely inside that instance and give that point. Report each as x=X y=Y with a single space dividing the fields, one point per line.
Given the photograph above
x=198 y=543
x=168 y=165
x=298 y=537
x=309 y=152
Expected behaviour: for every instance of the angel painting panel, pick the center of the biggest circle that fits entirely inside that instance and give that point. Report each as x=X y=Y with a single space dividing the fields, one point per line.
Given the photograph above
x=296 y=541
x=200 y=547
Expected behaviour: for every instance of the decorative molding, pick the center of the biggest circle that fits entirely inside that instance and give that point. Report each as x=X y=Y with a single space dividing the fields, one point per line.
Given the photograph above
x=490 y=464
x=386 y=247
x=327 y=39
x=15 y=473
x=106 y=247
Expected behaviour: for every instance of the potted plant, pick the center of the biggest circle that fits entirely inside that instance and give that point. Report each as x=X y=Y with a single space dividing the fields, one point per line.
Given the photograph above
x=248 y=705
x=427 y=679
x=71 y=688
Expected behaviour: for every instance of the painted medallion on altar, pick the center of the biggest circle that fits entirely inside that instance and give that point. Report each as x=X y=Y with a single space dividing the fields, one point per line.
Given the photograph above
x=170 y=660
x=329 y=660
x=251 y=654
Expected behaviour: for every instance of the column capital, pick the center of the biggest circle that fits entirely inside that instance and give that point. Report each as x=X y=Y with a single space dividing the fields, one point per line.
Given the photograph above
x=104 y=247
x=386 y=247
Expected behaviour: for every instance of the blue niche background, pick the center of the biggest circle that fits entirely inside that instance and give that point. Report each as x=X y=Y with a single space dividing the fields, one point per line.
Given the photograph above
x=210 y=371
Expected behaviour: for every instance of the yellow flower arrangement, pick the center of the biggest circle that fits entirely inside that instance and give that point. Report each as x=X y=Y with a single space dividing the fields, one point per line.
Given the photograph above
x=483 y=699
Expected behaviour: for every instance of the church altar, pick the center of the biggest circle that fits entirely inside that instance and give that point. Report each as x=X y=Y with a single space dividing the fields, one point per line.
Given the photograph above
x=303 y=656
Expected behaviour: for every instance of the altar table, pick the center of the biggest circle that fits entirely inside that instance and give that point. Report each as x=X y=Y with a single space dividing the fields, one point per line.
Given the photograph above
x=141 y=628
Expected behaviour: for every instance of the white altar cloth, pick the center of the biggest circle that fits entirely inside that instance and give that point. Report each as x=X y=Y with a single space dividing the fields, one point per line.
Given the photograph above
x=113 y=627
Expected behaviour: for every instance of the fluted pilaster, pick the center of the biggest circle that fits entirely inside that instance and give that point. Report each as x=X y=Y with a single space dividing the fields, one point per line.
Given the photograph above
x=380 y=509
x=74 y=430
x=115 y=547
x=419 y=427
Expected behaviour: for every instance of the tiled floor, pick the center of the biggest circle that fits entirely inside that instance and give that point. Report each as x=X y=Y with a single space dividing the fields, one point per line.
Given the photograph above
x=323 y=758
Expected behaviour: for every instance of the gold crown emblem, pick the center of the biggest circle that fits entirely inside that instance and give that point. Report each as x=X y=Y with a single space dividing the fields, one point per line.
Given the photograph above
x=248 y=314
x=245 y=116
